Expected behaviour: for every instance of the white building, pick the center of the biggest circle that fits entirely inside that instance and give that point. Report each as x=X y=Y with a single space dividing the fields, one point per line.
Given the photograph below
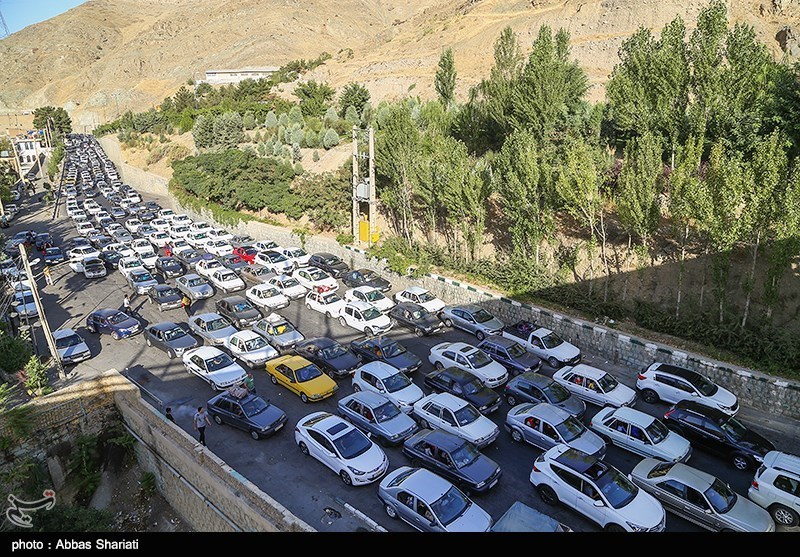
x=28 y=151
x=225 y=77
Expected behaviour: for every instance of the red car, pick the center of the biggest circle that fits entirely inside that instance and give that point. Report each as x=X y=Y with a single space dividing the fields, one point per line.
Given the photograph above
x=248 y=253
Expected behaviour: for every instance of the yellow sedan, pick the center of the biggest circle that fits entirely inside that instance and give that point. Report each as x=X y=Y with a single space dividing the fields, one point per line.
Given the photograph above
x=301 y=377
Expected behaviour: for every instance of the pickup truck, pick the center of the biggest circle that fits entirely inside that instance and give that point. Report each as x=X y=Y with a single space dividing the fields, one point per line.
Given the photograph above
x=546 y=344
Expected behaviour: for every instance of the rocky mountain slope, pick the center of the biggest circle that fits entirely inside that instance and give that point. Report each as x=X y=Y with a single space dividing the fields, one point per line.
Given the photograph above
x=107 y=56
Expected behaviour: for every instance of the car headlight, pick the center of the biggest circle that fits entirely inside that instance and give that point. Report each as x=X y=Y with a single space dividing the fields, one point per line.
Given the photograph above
x=758 y=458
x=315 y=396
x=480 y=485
x=356 y=471
x=635 y=527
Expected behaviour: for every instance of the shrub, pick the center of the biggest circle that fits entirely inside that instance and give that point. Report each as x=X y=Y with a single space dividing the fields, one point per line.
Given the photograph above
x=36 y=380
x=345 y=239
x=315 y=156
x=331 y=139
x=249 y=120
x=271 y=121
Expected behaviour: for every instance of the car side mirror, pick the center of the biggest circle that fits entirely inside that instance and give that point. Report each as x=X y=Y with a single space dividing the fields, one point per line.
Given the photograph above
x=695 y=394
x=708 y=511
x=599 y=503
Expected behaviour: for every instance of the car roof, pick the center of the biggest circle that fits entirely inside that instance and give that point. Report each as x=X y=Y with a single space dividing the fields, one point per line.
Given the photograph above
x=324 y=254
x=294 y=362
x=191 y=276
x=369 y=398
x=585 y=370
x=426 y=483
x=687 y=374
x=690 y=476
x=410 y=306
x=575 y=459
x=233 y=299
x=379 y=369
x=547 y=412
x=499 y=340
x=532 y=377
x=415 y=290
x=449 y=401
x=632 y=415
x=246 y=334
x=61 y=333
x=441 y=438
x=207 y=351
x=163 y=326
x=364 y=288
x=162 y=287
x=783 y=461
x=208 y=316
x=456 y=373
x=360 y=304
x=105 y=312
x=322 y=342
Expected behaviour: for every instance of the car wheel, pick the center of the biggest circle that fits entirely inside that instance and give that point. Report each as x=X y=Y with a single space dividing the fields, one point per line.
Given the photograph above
x=148 y=342
x=331 y=374
x=356 y=387
x=303 y=448
x=214 y=387
x=217 y=419
x=516 y=435
x=390 y=511
x=254 y=434
x=308 y=306
x=419 y=332
x=423 y=424
x=416 y=463
x=649 y=396
x=329 y=315
x=614 y=528
x=480 y=335
x=115 y=335
x=547 y=494
x=740 y=462
x=303 y=397
x=91 y=329
x=346 y=478
x=512 y=401
x=273 y=379
x=438 y=365
x=368 y=332
x=251 y=365
x=171 y=354
x=342 y=322
x=553 y=362
x=784 y=515
x=448 y=321
x=606 y=439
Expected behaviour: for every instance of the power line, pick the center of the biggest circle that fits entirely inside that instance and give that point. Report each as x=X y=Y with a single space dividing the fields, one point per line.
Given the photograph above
x=6 y=33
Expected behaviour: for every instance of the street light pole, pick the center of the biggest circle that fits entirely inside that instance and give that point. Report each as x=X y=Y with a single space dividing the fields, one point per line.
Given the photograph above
x=48 y=335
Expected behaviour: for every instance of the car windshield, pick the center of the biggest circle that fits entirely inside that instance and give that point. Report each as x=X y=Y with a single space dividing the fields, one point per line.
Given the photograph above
x=464 y=455
x=118 y=318
x=174 y=334
x=169 y=292
x=393 y=349
x=396 y=382
x=195 y=282
x=254 y=406
x=333 y=352
x=317 y=274
x=270 y=292
x=720 y=496
x=733 y=427
x=466 y=415
x=706 y=387
x=308 y=373
x=555 y=393
x=473 y=387
x=352 y=444
x=657 y=432
x=331 y=298
x=242 y=306
x=217 y=324
x=284 y=328
x=617 y=489
x=552 y=340
x=386 y=412
x=289 y=283
x=255 y=344
x=200 y=236
x=218 y=362
x=371 y=313
x=420 y=313
x=142 y=277
x=570 y=429
x=482 y=316
x=296 y=252
x=332 y=260
x=450 y=506
x=52 y=251
x=277 y=257
x=67 y=341
x=478 y=359
x=374 y=296
x=516 y=350
x=607 y=383
x=227 y=276
x=425 y=297
x=369 y=275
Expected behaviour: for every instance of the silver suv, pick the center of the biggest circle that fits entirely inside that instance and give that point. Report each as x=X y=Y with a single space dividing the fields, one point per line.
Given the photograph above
x=776 y=487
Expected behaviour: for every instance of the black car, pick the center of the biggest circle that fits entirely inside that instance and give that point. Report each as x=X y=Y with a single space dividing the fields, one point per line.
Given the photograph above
x=329 y=355
x=238 y=310
x=514 y=357
x=329 y=263
x=241 y=240
x=189 y=257
x=111 y=258
x=535 y=387
x=417 y=318
x=165 y=297
x=387 y=350
x=718 y=433
x=464 y=385
x=169 y=267
x=452 y=458
x=365 y=277
x=171 y=338
x=250 y=413
x=152 y=206
x=233 y=262
x=101 y=241
x=44 y=240
x=53 y=255
x=146 y=215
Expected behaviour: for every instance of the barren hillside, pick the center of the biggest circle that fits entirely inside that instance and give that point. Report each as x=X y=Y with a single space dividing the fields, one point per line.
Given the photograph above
x=106 y=56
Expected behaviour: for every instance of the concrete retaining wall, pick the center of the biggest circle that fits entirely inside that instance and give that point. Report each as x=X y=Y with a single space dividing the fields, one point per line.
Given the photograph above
x=754 y=389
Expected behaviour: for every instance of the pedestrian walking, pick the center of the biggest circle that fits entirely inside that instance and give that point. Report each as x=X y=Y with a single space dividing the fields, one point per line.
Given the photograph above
x=48 y=278
x=169 y=414
x=126 y=305
x=186 y=303
x=250 y=383
x=200 y=423
x=167 y=250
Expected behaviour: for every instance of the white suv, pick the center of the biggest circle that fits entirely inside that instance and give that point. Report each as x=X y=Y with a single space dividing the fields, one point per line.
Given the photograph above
x=776 y=487
x=365 y=318
x=597 y=490
x=387 y=380
x=670 y=384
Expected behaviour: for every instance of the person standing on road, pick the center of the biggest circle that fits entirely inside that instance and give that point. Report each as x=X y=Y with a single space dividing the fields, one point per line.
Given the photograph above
x=250 y=383
x=200 y=424
x=186 y=303
x=126 y=304
x=48 y=278
x=167 y=250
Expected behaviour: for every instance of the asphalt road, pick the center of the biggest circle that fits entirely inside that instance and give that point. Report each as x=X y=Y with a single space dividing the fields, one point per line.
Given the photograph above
x=276 y=465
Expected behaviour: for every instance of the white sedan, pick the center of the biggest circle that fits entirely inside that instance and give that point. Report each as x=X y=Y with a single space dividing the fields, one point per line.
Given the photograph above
x=160 y=239
x=197 y=240
x=219 y=247
x=314 y=277
x=469 y=358
x=371 y=295
x=327 y=303
x=205 y=267
x=288 y=286
x=341 y=447
x=457 y=416
x=226 y=280
x=141 y=246
x=274 y=261
x=219 y=234
x=127 y=265
x=132 y=225
x=421 y=296
x=214 y=366
x=267 y=296
x=298 y=256
x=250 y=348
x=160 y=224
x=122 y=249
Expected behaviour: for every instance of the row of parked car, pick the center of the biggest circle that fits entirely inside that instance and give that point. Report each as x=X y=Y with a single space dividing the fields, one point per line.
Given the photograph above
x=444 y=431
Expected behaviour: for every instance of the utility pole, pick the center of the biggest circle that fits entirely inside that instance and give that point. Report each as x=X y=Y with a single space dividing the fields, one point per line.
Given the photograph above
x=371 y=210
x=363 y=191
x=48 y=335
x=356 y=215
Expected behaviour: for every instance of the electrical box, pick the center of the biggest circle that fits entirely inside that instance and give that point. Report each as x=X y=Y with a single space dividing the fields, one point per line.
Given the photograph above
x=362 y=191
x=363 y=231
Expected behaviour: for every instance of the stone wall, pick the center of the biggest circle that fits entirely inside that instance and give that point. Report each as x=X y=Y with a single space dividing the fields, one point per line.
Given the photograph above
x=754 y=389
x=197 y=484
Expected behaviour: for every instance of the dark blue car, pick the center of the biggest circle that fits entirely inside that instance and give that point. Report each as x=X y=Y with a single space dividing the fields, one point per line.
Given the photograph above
x=250 y=413
x=53 y=255
x=514 y=357
x=114 y=322
x=387 y=350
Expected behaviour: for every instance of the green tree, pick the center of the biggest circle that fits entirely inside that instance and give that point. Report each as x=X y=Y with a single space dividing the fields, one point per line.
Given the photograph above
x=314 y=97
x=445 y=79
x=249 y=120
x=331 y=117
x=355 y=95
x=203 y=131
x=58 y=119
x=296 y=116
x=186 y=121
x=785 y=246
x=331 y=139
x=228 y=132
x=183 y=99
x=271 y=121
x=311 y=139
x=351 y=116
